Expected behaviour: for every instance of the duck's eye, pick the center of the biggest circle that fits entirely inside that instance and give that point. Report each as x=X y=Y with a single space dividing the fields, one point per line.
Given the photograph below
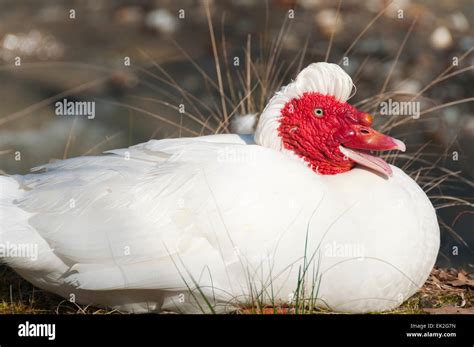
x=318 y=112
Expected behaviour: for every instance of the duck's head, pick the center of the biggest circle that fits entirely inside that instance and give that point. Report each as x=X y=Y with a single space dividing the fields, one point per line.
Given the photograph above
x=311 y=118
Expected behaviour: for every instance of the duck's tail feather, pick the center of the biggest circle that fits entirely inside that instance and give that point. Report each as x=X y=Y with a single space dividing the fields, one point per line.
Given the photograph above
x=21 y=246
x=9 y=214
x=13 y=226
x=244 y=124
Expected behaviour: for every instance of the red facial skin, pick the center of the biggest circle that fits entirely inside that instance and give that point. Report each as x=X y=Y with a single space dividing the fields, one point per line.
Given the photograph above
x=317 y=138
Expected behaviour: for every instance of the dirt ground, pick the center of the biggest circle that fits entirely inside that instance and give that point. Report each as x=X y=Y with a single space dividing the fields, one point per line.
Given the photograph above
x=447 y=291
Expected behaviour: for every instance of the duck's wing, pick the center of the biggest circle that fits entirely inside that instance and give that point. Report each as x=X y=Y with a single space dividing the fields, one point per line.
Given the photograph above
x=139 y=217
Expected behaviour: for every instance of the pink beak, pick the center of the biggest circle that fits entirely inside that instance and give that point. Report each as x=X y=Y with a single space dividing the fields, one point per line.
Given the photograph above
x=363 y=138
x=368 y=139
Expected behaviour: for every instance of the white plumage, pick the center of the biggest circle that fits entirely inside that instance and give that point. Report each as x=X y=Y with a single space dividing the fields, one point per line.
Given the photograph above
x=136 y=228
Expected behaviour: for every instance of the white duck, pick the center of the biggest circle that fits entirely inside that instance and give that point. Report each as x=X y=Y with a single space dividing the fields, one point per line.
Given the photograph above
x=211 y=222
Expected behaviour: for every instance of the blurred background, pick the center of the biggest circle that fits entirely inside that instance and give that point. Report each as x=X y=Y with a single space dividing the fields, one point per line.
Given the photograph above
x=150 y=68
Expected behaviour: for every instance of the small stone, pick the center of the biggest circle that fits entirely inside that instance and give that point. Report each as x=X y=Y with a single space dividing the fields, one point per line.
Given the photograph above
x=409 y=86
x=459 y=21
x=162 y=20
x=441 y=38
x=329 y=21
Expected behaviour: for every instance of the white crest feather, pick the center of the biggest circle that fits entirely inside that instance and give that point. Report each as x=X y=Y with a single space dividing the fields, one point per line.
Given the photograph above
x=324 y=78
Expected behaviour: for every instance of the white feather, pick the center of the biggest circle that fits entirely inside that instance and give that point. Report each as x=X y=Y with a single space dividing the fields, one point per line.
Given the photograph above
x=244 y=124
